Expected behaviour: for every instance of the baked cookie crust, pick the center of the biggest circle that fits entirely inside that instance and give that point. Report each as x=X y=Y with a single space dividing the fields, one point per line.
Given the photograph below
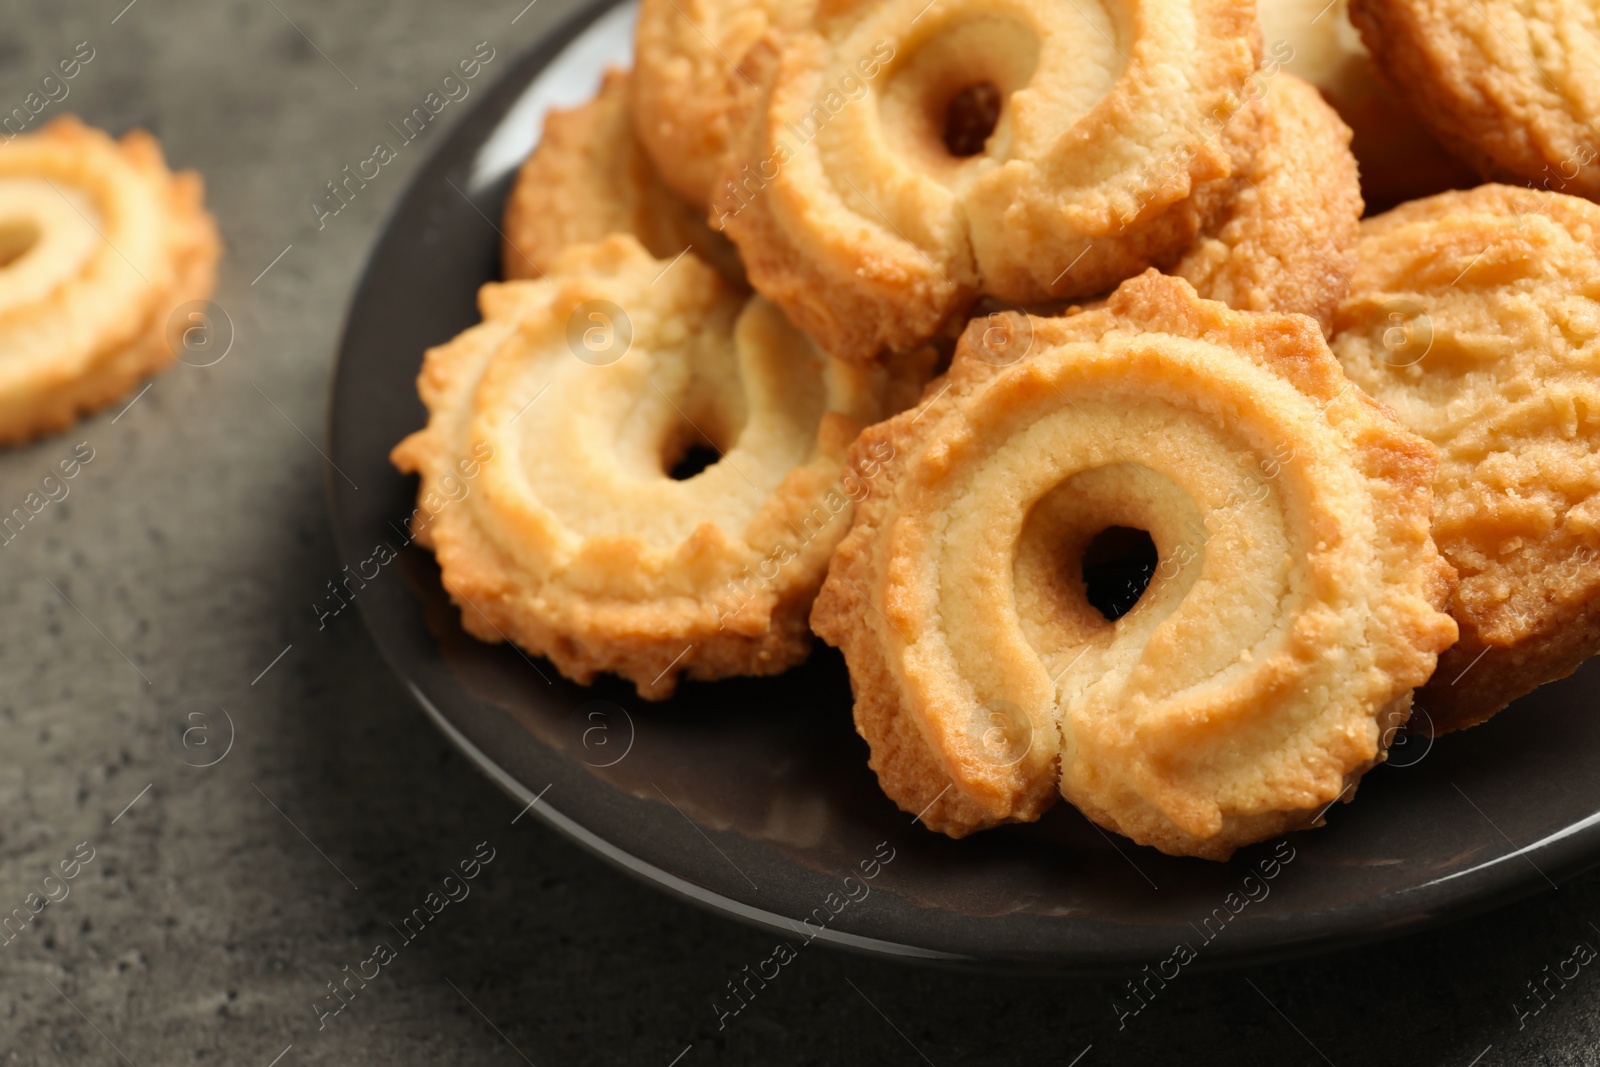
x=866 y=205
x=1474 y=316
x=1286 y=241
x=553 y=428
x=690 y=81
x=1296 y=604
x=588 y=179
x=1510 y=86
x=1399 y=156
x=101 y=244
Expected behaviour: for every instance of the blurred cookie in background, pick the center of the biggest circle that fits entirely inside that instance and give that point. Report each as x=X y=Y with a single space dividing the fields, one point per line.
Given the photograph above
x=1399 y=158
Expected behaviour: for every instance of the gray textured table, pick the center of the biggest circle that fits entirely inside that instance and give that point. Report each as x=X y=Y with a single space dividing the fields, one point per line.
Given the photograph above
x=187 y=557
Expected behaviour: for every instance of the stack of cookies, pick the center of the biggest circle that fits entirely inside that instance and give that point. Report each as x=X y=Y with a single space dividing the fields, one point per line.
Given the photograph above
x=1037 y=356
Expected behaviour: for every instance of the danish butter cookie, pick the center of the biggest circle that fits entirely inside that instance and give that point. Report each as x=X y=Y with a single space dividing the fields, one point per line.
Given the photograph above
x=902 y=158
x=1286 y=241
x=99 y=244
x=582 y=537
x=1399 y=156
x=1476 y=317
x=1510 y=86
x=689 y=82
x=1294 y=603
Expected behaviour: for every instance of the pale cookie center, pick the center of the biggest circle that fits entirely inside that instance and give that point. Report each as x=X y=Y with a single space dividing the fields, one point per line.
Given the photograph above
x=951 y=97
x=47 y=233
x=1090 y=549
x=686 y=436
x=946 y=100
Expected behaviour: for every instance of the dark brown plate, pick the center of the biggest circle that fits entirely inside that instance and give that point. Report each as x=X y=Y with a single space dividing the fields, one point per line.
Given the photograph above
x=753 y=797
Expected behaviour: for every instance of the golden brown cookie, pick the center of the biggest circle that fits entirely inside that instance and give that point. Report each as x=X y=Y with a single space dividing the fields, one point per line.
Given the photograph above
x=99 y=245
x=588 y=179
x=689 y=83
x=1476 y=317
x=905 y=157
x=1293 y=606
x=1510 y=86
x=548 y=466
x=1286 y=241
x=1399 y=157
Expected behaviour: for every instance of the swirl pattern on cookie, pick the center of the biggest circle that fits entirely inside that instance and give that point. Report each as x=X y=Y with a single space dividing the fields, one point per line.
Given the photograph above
x=905 y=156
x=1293 y=605
x=1510 y=86
x=1476 y=317
x=588 y=179
x=99 y=244
x=556 y=504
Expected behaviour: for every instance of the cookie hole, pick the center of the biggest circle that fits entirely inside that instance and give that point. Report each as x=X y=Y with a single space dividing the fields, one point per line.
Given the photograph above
x=946 y=100
x=1118 y=564
x=971 y=117
x=17 y=237
x=694 y=456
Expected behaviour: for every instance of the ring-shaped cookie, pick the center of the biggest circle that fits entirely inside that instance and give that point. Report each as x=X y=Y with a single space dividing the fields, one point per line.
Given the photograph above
x=905 y=156
x=1294 y=606
x=1476 y=317
x=99 y=244
x=548 y=494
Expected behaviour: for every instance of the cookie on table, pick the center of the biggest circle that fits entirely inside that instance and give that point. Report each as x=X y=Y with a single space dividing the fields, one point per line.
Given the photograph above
x=100 y=243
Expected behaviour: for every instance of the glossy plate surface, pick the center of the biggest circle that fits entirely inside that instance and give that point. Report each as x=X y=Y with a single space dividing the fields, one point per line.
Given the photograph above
x=753 y=797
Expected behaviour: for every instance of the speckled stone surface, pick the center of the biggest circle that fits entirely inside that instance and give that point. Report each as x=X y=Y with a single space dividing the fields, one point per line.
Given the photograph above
x=217 y=907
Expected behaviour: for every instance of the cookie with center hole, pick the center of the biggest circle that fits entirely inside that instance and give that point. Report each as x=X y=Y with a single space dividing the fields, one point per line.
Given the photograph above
x=1275 y=594
x=631 y=467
